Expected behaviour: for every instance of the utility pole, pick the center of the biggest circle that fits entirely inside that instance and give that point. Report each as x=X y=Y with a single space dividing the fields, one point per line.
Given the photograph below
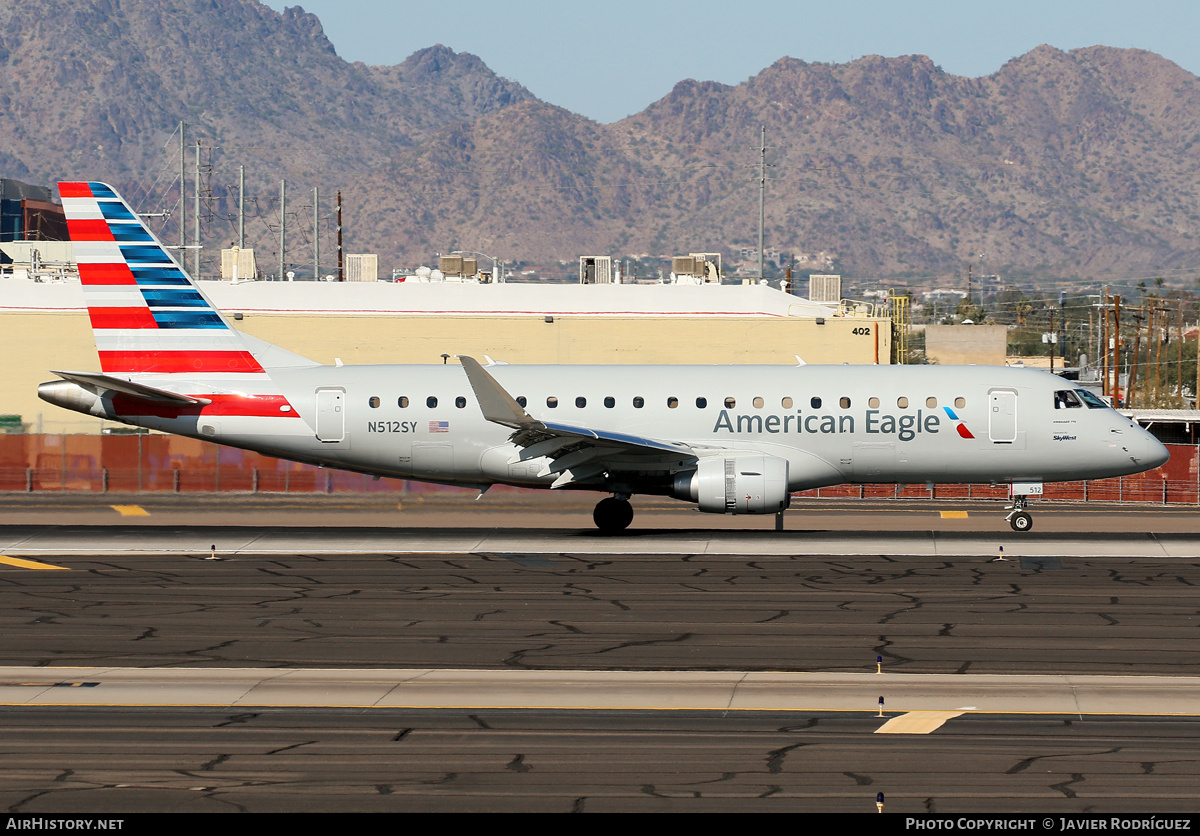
x=316 y=235
x=1102 y=342
x=241 y=207
x=196 y=219
x=341 y=261
x=1119 y=395
x=762 y=196
x=182 y=196
x=1053 y=337
x=282 y=228
x=1179 y=351
x=1116 y=350
x=1062 y=329
x=1156 y=329
x=1137 y=354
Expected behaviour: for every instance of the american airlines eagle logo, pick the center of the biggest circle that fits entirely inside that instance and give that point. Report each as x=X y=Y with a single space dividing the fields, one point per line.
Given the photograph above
x=958 y=424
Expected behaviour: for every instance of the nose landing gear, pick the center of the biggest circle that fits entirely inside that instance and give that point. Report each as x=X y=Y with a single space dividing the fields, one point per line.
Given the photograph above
x=1020 y=519
x=613 y=514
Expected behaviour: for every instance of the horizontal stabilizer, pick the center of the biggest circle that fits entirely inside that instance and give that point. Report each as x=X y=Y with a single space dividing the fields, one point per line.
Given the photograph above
x=100 y=384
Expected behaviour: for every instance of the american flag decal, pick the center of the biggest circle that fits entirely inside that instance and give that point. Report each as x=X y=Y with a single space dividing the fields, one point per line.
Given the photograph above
x=439 y=426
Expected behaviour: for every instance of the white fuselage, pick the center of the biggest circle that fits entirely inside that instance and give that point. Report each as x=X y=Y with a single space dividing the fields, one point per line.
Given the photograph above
x=832 y=424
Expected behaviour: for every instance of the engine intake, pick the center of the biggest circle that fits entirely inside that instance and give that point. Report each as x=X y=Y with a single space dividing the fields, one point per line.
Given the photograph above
x=751 y=484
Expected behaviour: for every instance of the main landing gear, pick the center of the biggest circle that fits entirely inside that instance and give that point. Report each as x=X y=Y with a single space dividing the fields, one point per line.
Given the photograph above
x=613 y=514
x=1020 y=519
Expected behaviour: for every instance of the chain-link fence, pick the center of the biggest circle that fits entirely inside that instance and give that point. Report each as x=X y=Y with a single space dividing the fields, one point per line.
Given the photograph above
x=35 y=463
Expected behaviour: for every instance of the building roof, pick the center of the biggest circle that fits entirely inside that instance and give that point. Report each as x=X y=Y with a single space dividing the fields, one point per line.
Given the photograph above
x=1163 y=416
x=451 y=298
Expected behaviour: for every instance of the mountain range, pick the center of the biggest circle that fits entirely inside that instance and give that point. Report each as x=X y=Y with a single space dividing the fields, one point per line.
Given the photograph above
x=1079 y=164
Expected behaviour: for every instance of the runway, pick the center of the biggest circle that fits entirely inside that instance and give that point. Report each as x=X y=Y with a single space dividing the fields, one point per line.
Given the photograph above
x=1066 y=614
x=233 y=541
x=65 y=760
x=523 y=668
x=573 y=690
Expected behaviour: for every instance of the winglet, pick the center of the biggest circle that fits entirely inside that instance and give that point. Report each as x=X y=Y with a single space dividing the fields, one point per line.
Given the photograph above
x=497 y=405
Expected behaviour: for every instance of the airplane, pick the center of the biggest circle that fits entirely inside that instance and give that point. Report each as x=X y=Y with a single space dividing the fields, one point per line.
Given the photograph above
x=731 y=439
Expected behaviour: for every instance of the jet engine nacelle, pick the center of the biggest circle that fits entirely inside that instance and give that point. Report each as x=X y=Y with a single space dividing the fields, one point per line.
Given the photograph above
x=749 y=484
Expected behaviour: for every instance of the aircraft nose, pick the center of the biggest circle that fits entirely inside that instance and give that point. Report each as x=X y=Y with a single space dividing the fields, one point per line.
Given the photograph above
x=1156 y=453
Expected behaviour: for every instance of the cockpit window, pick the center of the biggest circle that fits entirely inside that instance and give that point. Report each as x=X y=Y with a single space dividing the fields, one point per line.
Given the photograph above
x=1091 y=400
x=1066 y=399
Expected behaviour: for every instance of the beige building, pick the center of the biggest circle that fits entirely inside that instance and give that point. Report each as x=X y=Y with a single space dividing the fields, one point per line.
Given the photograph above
x=45 y=326
x=963 y=345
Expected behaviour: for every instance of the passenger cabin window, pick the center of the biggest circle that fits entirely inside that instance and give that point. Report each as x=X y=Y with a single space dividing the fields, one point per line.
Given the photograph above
x=786 y=403
x=730 y=403
x=1066 y=399
x=374 y=402
x=701 y=403
x=610 y=402
x=460 y=401
x=758 y=403
x=1091 y=400
x=815 y=403
x=931 y=403
x=873 y=403
x=902 y=403
x=639 y=402
x=552 y=402
x=431 y=402
x=402 y=402
x=522 y=400
x=960 y=403
x=844 y=403
x=672 y=403
x=580 y=403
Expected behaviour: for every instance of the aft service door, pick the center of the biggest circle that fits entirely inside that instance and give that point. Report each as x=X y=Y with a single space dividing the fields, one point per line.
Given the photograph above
x=331 y=414
x=1002 y=416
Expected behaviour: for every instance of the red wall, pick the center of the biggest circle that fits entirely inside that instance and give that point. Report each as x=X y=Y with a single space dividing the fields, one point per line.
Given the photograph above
x=133 y=463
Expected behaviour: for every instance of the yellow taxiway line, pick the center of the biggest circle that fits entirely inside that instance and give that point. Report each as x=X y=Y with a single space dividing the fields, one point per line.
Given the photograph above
x=26 y=564
x=130 y=510
x=918 y=722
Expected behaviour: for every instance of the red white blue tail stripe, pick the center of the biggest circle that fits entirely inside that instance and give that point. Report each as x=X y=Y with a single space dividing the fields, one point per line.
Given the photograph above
x=154 y=325
x=147 y=315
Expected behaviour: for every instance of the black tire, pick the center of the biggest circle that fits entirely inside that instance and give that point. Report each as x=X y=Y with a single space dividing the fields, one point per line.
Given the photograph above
x=1021 y=522
x=612 y=515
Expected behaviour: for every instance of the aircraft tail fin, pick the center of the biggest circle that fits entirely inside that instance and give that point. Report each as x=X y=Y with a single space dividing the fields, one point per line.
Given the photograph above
x=148 y=316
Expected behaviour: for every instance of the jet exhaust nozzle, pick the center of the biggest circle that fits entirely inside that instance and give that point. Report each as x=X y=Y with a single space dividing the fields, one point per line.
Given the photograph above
x=71 y=396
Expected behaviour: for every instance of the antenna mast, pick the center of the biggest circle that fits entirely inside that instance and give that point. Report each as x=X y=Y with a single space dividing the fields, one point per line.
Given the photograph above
x=341 y=263
x=282 y=227
x=762 y=196
x=241 y=207
x=182 y=185
x=196 y=219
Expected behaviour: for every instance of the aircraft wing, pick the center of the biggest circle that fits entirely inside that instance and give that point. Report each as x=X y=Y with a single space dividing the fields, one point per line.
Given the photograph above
x=578 y=453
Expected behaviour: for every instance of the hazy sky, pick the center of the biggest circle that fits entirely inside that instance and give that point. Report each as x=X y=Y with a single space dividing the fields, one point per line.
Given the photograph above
x=608 y=59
